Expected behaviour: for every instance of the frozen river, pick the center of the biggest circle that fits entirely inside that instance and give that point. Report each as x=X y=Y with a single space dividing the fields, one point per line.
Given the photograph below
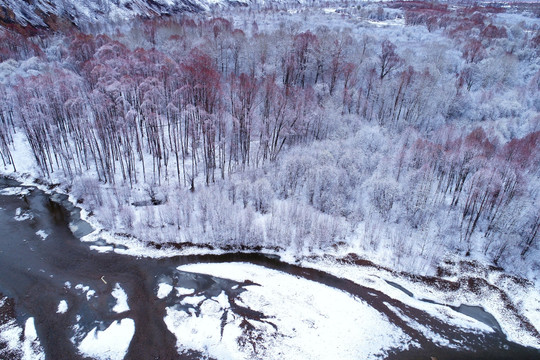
x=224 y=306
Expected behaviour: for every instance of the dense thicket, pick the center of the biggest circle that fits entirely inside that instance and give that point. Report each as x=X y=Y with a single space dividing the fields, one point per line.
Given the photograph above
x=403 y=144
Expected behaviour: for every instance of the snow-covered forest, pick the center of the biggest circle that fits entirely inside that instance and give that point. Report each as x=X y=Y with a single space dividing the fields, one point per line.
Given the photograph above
x=402 y=131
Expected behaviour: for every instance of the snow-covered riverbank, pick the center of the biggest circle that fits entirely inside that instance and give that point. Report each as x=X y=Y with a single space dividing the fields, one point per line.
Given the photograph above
x=301 y=319
x=297 y=310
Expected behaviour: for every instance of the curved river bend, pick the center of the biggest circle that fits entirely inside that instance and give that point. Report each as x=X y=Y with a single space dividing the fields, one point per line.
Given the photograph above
x=41 y=261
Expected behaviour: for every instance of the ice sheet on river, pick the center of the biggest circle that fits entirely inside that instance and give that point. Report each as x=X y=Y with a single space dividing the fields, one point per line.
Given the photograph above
x=302 y=320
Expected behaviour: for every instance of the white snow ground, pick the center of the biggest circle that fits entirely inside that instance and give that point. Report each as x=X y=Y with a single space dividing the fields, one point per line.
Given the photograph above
x=305 y=320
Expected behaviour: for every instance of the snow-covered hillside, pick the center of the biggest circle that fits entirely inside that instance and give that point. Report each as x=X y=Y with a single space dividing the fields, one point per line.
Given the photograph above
x=46 y=13
x=37 y=12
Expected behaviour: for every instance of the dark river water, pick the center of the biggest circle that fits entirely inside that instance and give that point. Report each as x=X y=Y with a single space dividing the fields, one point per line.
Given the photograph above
x=34 y=272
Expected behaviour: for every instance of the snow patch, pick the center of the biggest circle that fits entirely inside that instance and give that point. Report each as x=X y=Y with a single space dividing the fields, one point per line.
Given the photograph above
x=62 y=307
x=73 y=227
x=14 y=191
x=110 y=344
x=32 y=349
x=21 y=215
x=82 y=287
x=121 y=299
x=30 y=332
x=102 y=249
x=85 y=289
x=42 y=234
x=180 y=291
x=222 y=300
x=164 y=290
x=193 y=300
